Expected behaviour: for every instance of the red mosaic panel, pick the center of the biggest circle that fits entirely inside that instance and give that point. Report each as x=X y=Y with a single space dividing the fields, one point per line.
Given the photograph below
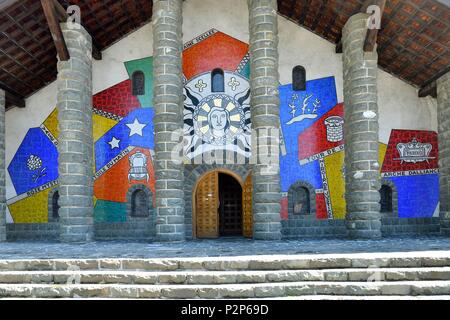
x=284 y=208
x=117 y=99
x=314 y=139
x=217 y=51
x=392 y=160
x=321 y=207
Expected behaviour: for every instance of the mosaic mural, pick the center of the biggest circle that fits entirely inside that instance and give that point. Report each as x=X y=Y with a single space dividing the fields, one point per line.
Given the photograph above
x=216 y=120
x=124 y=135
x=313 y=152
x=312 y=149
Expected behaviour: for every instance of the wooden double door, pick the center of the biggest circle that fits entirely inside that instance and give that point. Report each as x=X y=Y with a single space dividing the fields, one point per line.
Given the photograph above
x=223 y=206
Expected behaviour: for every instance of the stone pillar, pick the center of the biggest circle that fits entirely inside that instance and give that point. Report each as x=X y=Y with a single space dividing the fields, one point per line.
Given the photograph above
x=443 y=100
x=362 y=181
x=168 y=120
x=75 y=147
x=2 y=168
x=265 y=105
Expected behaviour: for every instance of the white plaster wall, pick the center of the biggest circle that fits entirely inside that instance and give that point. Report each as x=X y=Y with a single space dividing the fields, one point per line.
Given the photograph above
x=399 y=105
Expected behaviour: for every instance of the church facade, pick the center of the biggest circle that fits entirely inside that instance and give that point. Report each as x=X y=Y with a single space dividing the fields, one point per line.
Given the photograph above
x=218 y=120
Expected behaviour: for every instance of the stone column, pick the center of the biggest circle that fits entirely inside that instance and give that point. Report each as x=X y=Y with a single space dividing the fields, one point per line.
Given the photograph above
x=2 y=168
x=362 y=181
x=265 y=104
x=168 y=120
x=74 y=103
x=443 y=100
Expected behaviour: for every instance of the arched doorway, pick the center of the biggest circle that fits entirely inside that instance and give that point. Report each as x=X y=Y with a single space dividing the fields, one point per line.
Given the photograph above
x=222 y=205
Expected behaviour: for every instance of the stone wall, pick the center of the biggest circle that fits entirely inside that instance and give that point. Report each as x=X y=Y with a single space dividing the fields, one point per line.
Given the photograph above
x=443 y=91
x=168 y=105
x=312 y=228
x=75 y=146
x=361 y=131
x=33 y=231
x=2 y=168
x=265 y=108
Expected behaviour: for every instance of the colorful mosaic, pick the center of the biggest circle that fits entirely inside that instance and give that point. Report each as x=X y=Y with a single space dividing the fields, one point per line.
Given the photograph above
x=411 y=163
x=312 y=146
x=124 y=135
x=313 y=135
x=117 y=100
x=216 y=120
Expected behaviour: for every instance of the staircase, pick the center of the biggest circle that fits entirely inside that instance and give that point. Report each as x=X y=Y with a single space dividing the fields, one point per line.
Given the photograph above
x=345 y=276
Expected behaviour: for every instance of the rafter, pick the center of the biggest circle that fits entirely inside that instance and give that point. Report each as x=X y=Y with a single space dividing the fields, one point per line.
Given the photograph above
x=51 y=15
x=430 y=86
x=54 y=13
x=12 y=99
x=372 y=34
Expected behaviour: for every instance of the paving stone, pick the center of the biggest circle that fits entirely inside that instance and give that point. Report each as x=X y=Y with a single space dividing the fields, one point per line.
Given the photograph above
x=106 y=251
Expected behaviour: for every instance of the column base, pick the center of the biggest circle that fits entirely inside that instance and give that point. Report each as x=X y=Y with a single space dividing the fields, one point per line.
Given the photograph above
x=2 y=234
x=80 y=237
x=170 y=233
x=170 y=237
x=445 y=227
x=267 y=236
x=363 y=229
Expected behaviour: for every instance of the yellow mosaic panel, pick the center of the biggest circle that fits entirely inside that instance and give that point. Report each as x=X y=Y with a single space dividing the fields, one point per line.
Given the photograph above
x=52 y=123
x=336 y=183
x=101 y=126
x=32 y=209
x=382 y=154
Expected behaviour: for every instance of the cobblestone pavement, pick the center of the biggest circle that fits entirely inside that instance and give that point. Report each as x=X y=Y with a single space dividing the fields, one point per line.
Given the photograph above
x=219 y=247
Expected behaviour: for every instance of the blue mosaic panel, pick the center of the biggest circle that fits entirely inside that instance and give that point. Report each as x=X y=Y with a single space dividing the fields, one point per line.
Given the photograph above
x=291 y=172
x=418 y=196
x=300 y=109
x=136 y=130
x=35 y=162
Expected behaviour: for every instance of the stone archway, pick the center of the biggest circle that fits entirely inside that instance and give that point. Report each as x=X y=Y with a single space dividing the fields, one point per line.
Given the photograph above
x=391 y=185
x=193 y=173
x=145 y=204
x=53 y=205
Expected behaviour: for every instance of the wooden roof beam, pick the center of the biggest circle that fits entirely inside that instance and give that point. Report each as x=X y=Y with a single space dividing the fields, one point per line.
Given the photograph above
x=372 y=34
x=12 y=99
x=63 y=16
x=55 y=13
x=429 y=88
x=51 y=15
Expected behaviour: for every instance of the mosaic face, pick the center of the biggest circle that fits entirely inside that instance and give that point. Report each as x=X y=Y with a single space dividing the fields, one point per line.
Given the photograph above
x=217 y=121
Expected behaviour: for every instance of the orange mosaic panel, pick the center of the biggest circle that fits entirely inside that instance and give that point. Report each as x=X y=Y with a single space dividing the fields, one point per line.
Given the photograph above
x=113 y=185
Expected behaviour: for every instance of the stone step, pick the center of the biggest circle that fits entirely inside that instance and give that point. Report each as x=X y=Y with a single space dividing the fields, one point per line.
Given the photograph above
x=222 y=277
x=278 y=262
x=226 y=291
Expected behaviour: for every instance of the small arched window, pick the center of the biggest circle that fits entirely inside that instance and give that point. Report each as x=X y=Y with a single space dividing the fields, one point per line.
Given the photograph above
x=55 y=205
x=386 y=199
x=299 y=78
x=301 y=201
x=217 y=80
x=139 y=204
x=138 y=83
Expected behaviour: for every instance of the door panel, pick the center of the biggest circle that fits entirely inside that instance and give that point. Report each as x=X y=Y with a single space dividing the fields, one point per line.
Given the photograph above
x=247 y=207
x=230 y=207
x=207 y=203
